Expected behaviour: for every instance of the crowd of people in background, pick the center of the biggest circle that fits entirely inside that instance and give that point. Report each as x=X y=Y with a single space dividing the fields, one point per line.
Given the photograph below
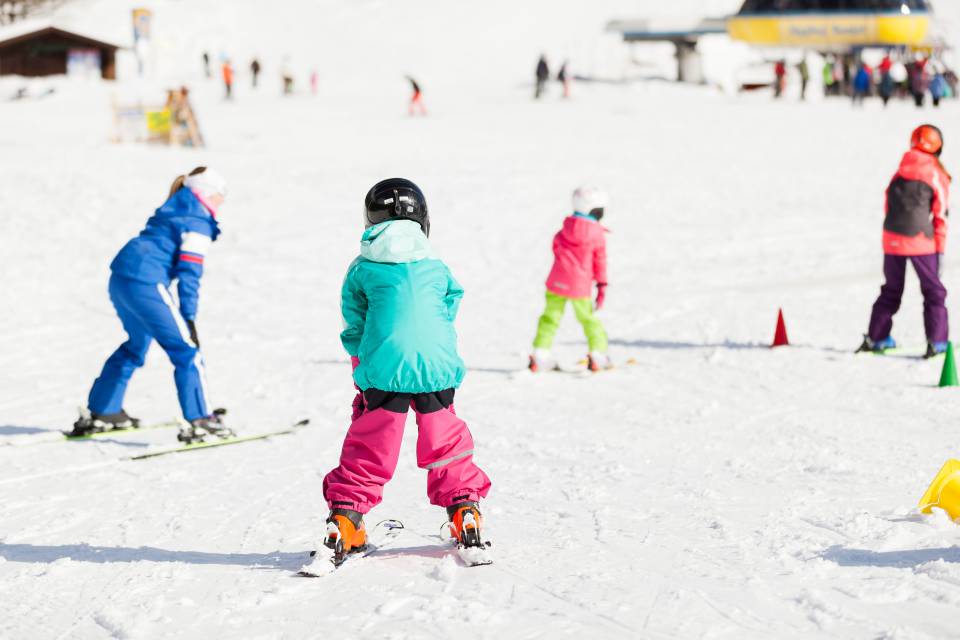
x=287 y=79
x=895 y=77
x=228 y=75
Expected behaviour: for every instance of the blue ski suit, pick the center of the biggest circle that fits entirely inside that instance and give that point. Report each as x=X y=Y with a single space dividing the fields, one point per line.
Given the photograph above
x=171 y=247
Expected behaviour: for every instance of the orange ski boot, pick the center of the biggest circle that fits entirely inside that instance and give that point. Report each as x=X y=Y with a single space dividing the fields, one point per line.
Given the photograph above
x=464 y=527
x=345 y=534
x=465 y=523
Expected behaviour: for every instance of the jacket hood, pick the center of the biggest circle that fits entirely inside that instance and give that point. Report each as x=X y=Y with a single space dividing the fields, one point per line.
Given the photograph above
x=579 y=229
x=915 y=160
x=184 y=204
x=395 y=241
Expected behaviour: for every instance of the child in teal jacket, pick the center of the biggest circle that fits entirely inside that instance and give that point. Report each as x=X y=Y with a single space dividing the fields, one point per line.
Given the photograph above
x=399 y=303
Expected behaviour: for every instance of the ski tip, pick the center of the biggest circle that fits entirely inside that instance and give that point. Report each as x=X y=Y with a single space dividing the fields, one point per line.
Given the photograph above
x=475 y=556
x=302 y=423
x=317 y=569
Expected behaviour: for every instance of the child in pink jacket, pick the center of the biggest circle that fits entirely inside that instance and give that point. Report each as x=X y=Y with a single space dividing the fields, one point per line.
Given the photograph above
x=580 y=259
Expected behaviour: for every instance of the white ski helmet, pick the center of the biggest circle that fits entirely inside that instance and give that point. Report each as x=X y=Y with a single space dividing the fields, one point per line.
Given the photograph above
x=590 y=200
x=207 y=183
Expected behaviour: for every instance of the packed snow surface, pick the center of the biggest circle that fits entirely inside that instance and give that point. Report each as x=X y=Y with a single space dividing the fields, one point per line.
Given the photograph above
x=707 y=487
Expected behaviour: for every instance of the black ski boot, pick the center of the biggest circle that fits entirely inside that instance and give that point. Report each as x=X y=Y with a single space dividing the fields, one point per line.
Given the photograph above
x=89 y=423
x=201 y=428
x=934 y=349
x=876 y=347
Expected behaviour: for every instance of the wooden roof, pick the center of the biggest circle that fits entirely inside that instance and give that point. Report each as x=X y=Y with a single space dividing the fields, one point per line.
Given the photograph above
x=54 y=31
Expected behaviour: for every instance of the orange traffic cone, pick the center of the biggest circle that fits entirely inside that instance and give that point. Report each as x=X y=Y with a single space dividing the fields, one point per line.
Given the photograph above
x=780 y=337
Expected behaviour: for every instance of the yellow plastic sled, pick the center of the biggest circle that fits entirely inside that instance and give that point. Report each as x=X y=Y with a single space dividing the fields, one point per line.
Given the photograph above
x=944 y=492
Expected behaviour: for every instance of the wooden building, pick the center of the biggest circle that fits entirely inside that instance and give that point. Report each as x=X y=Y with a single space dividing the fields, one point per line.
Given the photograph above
x=51 y=51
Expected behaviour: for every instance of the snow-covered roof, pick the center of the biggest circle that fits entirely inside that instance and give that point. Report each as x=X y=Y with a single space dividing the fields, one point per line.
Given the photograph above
x=24 y=34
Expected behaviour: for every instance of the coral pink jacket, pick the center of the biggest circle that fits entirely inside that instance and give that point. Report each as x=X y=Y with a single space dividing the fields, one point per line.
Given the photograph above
x=580 y=258
x=917 y=207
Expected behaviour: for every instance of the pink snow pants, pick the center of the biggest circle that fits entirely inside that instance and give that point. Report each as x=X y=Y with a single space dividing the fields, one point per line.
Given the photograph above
x=372 y=448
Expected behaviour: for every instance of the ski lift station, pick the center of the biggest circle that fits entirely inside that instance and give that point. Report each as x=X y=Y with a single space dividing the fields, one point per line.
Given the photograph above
x=825 y=26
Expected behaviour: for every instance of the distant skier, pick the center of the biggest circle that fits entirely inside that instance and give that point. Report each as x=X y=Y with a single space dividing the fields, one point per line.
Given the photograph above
x=543 y=74
x=416 y=99
x=780 y=78
x=171 y=247
x=286 y=76
x=564 y=78
x=206 y=64
x=580 y=259
x=862 y=83
x=314 y=82
x=255 y=69
x=887 y=84
x=938 y=86
x=919 y=80
x=399 y=303
x=804 y=70
x=828 y=81
x=915 y=228
x=228 y=79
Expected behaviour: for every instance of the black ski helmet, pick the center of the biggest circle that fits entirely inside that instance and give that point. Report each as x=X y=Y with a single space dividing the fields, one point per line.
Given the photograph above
x=396 y=199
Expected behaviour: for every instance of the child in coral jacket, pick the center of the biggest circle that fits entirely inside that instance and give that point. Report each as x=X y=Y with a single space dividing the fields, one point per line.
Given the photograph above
x=399 y=303
x=580 y=259
x=915 y=229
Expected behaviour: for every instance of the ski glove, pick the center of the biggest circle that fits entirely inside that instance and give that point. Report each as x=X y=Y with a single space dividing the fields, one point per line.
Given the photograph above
x=601 y=294
x=192 y=326
x=359 y=404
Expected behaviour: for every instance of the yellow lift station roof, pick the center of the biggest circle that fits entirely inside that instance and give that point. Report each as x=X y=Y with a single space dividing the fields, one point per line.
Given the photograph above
x=832 y=24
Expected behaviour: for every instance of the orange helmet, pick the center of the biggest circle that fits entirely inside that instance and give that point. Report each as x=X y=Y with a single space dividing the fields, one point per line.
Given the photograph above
x=927 y=138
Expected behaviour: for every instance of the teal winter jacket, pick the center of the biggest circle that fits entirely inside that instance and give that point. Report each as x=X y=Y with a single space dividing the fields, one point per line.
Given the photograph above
x=399 y=303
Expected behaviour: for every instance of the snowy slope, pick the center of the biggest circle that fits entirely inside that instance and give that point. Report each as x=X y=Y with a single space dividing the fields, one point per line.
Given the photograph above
x=714 y=489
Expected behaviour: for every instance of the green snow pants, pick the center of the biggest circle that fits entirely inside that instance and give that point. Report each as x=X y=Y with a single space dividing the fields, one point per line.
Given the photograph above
x=583 y=308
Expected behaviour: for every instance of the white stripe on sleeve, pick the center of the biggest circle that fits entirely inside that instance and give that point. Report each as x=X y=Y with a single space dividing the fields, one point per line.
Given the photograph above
x=196 y=243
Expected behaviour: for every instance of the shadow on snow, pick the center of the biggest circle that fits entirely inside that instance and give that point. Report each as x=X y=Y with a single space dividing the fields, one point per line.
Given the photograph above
x=672 y=345
x=279 y=560
x=903 y=559
x=10 y=430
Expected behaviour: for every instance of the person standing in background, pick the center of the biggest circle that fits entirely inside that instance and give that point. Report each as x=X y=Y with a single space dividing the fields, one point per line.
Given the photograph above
x=206 y=64
x=228 y=79
x=416 y=99
x=938 y=86
x=564 y=78
x=543 y=74
x=886 y=79
x=780 y=78
x=862 y=83
x=804 y=71
x=255 y=71
x=314 y=82
x=919 y=80
x=827 y=77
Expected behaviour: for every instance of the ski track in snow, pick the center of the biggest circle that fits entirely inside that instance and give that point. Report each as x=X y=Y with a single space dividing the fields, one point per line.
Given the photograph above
x=714 y=489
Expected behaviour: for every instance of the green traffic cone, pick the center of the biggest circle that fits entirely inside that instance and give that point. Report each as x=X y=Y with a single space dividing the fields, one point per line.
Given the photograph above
x=948 y=378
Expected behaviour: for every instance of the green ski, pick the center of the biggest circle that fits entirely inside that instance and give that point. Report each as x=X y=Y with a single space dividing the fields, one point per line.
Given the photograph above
x=221 y=443
x=113 y=432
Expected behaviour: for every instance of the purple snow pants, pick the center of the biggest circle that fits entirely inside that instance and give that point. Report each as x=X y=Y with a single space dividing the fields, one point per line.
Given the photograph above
x=934 y=297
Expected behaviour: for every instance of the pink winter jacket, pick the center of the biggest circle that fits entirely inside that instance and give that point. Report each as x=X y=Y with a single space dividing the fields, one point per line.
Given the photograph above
x=579 y=258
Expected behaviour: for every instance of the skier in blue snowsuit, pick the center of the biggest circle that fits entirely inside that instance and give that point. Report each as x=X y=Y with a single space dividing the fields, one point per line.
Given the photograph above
x=171 y=247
